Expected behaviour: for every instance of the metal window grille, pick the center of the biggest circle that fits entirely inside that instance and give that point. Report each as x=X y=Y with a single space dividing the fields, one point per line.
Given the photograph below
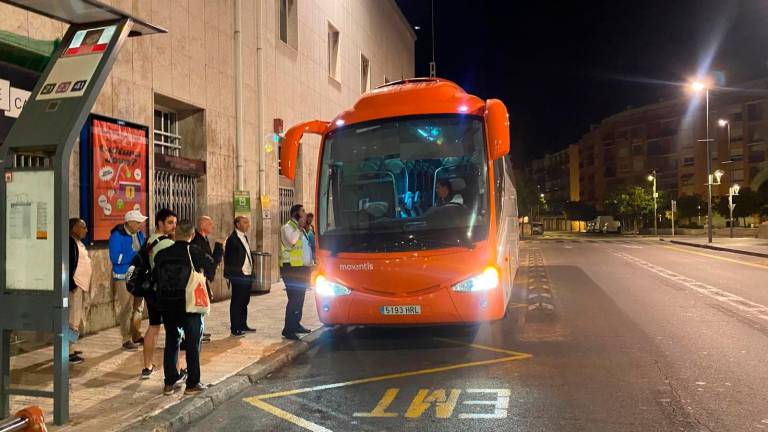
x=167 y=138
x=25 y=160
x=286 y=202
x=177 y=192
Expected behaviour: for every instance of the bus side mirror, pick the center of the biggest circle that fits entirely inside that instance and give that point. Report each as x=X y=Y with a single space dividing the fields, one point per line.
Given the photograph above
x=497 y=127
x=289 y=146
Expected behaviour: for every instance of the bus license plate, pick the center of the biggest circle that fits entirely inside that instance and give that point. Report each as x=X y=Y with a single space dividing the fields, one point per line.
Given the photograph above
x=401 y=310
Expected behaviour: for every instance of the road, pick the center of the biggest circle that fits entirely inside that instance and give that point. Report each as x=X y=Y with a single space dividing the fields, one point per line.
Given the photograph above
x=644 y=336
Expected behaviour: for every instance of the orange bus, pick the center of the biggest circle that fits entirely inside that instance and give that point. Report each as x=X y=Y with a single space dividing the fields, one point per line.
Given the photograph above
x=415 y=207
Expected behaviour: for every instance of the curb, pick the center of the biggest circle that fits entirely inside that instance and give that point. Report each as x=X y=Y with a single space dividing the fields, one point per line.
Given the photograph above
x=191 y=409
x=718 y=248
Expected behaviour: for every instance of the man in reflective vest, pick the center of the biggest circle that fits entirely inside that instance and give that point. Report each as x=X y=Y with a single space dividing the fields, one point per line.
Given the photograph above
x=295 y=268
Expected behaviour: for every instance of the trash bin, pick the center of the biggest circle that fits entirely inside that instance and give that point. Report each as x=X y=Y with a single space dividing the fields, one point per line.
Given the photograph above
x=262 y=269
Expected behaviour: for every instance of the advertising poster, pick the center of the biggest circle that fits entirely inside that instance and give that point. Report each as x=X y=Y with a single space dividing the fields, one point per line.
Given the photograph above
x=118 y=173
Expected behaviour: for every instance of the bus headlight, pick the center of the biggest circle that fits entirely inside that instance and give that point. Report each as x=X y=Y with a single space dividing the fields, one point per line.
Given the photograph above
x=326 y=288
x=487 y=280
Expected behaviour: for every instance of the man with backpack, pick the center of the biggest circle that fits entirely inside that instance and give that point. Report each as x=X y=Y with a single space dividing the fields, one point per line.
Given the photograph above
x=165 y=230
x=173 y=270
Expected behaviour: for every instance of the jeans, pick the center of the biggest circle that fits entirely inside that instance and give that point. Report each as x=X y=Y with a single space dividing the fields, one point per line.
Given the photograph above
x=296 y=281
x=192 y=324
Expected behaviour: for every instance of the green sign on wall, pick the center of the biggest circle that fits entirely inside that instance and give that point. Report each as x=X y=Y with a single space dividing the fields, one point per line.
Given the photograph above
x=242 y=203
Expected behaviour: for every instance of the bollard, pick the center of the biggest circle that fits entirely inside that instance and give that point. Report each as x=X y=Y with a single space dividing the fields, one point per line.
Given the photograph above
x=29 y=419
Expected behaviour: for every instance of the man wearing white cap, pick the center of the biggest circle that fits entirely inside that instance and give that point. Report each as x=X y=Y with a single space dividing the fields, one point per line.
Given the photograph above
x=124 y=241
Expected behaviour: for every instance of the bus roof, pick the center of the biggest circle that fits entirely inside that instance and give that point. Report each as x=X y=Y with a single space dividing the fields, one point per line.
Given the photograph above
x=412 y=96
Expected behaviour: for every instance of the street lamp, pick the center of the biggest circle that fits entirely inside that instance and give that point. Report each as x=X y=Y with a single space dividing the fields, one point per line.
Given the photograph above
x=652 y=178
x=698 y=86
x=732 y=192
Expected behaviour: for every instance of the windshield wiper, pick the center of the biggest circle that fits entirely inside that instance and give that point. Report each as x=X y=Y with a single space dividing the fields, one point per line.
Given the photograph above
x=460 y=241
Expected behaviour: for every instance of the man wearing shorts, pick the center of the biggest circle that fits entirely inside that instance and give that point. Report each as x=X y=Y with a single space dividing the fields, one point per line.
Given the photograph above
x=165 y=231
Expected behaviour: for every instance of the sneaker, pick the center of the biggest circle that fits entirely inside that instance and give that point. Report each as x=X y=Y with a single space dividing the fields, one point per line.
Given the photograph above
x=194 y=390
x=139 y=341
x=303 y=329
x=75 y=359
x=146 y=373
x=249 y=330
x=130 y=346
x=76 y=352
x=183 y=375
x=206 y=337
x=237 y=333
x=171 y=389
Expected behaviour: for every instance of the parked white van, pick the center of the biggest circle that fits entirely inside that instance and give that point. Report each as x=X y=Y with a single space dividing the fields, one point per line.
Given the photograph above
x=605 y=224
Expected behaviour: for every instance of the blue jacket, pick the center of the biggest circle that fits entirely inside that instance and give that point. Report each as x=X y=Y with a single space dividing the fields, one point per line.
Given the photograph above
x=121 y=251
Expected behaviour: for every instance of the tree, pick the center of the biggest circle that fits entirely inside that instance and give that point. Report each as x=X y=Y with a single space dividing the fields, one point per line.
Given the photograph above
x=630 y=203
x=747 y=204
x=689 y=206
x=527 y=194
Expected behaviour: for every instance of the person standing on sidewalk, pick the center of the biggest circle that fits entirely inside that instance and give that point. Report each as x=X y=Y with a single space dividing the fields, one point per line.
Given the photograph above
x=165 y=230
x=125 y=240
x=309 y=228
x=238 y=269
x=80 y=271
x=205 y=227
x=295 y=269
x=173 y=267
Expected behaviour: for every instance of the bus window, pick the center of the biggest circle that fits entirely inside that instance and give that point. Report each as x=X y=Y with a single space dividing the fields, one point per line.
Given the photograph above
x=498 y=177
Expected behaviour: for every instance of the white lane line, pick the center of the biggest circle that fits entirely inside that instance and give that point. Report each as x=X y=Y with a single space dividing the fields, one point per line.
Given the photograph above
x=632 y=246
x=733 y=300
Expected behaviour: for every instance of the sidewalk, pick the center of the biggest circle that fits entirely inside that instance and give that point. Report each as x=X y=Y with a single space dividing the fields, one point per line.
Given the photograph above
x=106 y=392
x=745 y=246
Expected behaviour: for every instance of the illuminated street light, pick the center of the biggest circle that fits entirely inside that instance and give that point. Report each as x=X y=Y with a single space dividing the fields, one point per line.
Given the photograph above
x=732 y=192
x=722 y=122
x=718 y=175
x=652 y=178
x=697 y=86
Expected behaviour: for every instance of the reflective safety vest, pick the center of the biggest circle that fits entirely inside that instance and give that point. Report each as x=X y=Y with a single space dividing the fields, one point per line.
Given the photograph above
x=292 y=255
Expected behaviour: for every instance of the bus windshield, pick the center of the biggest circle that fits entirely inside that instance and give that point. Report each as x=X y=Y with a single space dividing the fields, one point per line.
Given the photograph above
x=404 y=184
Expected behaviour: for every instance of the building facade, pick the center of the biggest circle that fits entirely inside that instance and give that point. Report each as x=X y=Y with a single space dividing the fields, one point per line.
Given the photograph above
x=670 y=138
x=556 y=176
x=315 y=58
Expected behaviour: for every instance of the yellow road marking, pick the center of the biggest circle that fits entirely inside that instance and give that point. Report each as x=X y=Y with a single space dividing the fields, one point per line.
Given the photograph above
x=258 y=401
x=389 y=377
x=380 y=410
x=285 y=415
x=762 y=266
x=484 y=347
x=425 y=399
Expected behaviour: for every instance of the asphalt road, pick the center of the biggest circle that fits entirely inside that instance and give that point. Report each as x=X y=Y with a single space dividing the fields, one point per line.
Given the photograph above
x=644 y=336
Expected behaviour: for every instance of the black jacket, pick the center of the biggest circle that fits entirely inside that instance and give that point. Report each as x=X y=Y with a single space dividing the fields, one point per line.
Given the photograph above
x=172 y=271
x=234 y=258
x=217 y=254
x=74 y=257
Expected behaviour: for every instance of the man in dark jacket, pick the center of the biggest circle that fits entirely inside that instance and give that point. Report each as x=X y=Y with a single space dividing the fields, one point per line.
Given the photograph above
x=205 y=227
x=238 y=269
x=80 y=271
x=173 y=267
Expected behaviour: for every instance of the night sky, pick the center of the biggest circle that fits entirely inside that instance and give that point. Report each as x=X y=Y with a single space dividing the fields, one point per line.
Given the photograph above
x=561 y=65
